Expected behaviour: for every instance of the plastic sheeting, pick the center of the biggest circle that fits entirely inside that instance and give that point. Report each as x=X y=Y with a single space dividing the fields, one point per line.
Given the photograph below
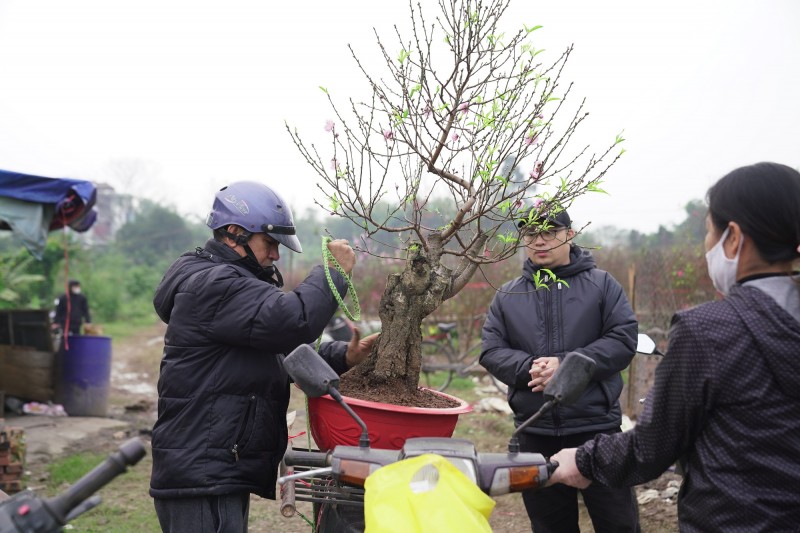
x=32 y=206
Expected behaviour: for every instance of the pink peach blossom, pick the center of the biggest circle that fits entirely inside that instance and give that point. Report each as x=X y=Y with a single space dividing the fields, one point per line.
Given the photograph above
x=536 y=173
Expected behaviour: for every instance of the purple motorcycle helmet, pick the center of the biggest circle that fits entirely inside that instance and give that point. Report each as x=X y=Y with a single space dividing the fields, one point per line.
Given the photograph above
x=256 y=208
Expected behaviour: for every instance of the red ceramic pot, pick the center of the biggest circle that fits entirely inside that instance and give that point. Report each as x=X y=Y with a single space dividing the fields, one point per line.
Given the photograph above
x=389 y=425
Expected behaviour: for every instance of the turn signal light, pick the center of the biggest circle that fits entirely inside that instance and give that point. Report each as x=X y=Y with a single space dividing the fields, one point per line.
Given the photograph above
x=524 y=477
x=354 y=472
x=514 y=479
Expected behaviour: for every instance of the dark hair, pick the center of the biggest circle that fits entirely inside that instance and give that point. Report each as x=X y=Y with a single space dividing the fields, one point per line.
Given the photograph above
x=764 y=199
x=74 y=283
x=220 y=234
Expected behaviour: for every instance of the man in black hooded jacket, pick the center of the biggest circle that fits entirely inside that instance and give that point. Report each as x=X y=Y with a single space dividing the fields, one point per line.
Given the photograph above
x=222 y=391
x=563 y=303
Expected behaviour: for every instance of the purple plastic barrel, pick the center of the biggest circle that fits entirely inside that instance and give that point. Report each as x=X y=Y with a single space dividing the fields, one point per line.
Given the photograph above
x=85 y=376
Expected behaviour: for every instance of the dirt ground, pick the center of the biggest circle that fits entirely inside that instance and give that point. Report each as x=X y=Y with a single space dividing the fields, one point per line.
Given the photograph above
x=133 y=399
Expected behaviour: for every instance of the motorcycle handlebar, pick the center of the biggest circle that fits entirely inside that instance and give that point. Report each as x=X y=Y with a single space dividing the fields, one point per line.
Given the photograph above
x=130 y=453
x=307 y=458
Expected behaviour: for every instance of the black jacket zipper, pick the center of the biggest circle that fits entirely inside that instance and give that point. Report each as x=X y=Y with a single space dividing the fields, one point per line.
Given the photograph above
x=242 y=427
x=555 y=331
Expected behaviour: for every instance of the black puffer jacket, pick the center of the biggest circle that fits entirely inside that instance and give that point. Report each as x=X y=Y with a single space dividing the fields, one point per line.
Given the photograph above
x=223 y=392
x=591 y=316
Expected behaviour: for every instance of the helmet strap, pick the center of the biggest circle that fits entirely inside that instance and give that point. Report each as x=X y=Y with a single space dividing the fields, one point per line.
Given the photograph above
x=273 y=275
x=241 y=239
x=270 y=274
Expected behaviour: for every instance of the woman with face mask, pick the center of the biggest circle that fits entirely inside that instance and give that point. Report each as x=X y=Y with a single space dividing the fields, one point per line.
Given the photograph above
x=726 y=397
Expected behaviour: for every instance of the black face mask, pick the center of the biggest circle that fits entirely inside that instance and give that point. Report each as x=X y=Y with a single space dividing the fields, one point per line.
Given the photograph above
x=270 y=274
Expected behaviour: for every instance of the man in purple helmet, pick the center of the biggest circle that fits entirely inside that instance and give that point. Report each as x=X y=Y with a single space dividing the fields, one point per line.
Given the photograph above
x=223 y=393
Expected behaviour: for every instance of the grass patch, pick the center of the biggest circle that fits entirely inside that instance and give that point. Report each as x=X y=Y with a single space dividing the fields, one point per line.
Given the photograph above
x=489 y=431
x=127 y=328
x=434 y=380
x=70 y=469
x=461 y=383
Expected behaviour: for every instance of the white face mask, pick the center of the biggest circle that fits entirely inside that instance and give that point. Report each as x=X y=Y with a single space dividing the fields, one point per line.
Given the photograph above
x=722 y=270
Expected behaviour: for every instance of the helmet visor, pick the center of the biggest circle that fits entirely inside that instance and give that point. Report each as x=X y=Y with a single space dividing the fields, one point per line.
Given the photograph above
x=284 y=235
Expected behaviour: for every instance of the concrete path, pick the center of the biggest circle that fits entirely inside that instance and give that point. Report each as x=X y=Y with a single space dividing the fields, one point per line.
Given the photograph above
x=46 y=437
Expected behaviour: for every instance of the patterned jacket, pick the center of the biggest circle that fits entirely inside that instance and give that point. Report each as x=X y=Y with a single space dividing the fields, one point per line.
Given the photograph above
x=726 y=400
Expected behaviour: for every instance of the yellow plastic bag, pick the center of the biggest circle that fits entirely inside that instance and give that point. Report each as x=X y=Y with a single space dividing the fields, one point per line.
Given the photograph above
x=424 y=494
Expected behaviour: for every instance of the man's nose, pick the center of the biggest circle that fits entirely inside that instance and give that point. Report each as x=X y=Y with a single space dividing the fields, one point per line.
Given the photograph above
x=274 y=253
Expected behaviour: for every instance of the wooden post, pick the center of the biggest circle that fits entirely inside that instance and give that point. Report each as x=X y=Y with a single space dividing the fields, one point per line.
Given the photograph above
x=632 y=286
x=632 y=392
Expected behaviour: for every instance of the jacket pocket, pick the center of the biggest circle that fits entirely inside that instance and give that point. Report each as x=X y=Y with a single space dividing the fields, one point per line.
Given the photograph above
x=244 y=429
x=611 y=389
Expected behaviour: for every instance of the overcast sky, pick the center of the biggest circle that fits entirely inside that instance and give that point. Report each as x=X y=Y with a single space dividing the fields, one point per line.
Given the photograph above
x=198 y=91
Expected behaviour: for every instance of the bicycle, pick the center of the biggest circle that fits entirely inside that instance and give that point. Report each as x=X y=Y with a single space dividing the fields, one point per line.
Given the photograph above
x=444 y=356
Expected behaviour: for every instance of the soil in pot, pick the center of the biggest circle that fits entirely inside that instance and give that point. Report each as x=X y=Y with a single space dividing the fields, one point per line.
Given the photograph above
x=396 y=394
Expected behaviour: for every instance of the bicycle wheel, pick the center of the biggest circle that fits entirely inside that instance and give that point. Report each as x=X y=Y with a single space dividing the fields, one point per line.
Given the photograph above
x=473 y=366
x=437 y=365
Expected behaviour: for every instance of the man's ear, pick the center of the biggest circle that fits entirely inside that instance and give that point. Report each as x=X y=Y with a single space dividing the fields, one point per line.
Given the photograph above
x=234 y=230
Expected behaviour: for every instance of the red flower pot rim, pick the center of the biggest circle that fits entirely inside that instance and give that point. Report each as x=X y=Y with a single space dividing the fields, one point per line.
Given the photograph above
x=462 y=408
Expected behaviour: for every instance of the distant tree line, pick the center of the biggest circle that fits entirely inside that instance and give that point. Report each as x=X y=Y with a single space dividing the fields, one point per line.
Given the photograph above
x=662 y=271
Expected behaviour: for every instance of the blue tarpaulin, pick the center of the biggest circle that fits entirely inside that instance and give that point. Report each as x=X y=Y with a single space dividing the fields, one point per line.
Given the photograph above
x=32 y=206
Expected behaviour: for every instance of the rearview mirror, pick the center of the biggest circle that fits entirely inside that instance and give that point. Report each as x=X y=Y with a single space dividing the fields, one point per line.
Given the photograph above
x=310 y=371
x=316 y=378
x=570 y=379
x=645 y=344
x=565 y=387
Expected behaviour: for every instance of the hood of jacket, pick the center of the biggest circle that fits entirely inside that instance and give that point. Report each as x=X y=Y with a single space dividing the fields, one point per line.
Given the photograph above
x=775 y=332
x=183 y=268
x=579 y=260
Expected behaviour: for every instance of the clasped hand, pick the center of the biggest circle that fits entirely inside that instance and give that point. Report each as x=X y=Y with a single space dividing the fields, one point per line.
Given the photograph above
x=542 y=371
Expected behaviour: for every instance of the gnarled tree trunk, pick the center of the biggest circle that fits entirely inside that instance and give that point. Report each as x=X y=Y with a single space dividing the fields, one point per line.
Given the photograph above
x=409 y=297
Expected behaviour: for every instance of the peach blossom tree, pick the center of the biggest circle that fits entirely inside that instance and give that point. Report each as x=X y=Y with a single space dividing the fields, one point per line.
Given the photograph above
x=460 y=111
